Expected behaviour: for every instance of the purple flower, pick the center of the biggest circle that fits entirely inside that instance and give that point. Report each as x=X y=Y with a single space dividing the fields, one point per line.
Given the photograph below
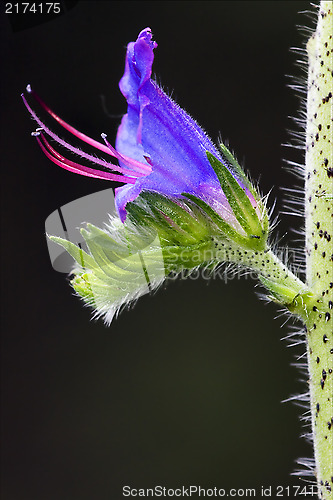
x=157 y=129
x=159 y=147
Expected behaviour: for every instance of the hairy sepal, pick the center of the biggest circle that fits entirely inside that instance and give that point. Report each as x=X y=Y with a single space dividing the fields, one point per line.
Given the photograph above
x=238 y=199
x=161 y=236
x=118 y=269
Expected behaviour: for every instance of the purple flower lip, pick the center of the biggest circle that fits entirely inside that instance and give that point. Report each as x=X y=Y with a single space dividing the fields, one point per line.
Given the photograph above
x=156 y=126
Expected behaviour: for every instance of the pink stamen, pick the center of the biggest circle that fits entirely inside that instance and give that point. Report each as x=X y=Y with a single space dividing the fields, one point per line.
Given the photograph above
x=129 y=162
x=66 y=125
x=77 y=151
x=77 y=168
x=138 y=166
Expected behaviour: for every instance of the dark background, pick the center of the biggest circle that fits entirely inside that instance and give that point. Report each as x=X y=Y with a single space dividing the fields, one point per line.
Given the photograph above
x=185 y=388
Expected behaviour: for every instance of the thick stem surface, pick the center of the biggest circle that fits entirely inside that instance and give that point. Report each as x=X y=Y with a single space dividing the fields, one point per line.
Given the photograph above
x=319 y=239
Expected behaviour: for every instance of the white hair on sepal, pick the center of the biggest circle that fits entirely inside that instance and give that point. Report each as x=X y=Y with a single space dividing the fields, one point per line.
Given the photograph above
x=254 y=183
x=110 y=286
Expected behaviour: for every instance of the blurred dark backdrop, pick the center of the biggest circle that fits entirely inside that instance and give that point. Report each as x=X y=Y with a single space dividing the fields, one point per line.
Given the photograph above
x=185 y=388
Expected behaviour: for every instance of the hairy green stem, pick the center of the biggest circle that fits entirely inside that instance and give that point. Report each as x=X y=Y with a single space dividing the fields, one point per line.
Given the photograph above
x=284 y=286
x=319 y=239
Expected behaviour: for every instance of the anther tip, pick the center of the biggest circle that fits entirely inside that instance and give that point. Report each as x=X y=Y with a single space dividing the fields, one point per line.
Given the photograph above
x=103 y=135
x=28 y=88
x=36 y=133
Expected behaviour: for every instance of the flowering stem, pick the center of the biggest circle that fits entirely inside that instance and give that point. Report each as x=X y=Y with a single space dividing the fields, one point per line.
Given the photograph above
x=186 y=204
x=318 y=227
